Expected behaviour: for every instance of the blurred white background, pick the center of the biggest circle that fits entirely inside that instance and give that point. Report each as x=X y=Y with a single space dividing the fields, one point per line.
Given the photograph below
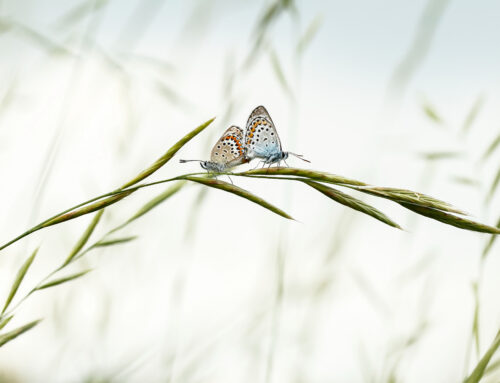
x=93 y=91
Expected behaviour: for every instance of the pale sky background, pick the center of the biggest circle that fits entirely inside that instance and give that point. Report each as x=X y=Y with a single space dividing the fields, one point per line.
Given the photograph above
x=193 y=299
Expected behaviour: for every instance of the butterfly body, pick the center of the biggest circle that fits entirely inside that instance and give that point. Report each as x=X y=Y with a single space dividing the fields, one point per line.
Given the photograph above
x=227 y=152
x=262 y=140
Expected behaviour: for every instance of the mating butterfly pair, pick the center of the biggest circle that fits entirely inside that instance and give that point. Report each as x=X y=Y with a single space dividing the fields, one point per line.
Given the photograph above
x=261 y=141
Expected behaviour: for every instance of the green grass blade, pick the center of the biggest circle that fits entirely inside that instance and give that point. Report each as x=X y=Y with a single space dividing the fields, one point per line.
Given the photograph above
x=411 y=197
x=475 y=322
x=112 y=242
x=88 y=209
x=311 y=174
x=160 y=198
x=279 y=73
x=352 y=202
x=473 y=113
x=84 y=238
x=490 y=243
x=432 y=113
x=492 y=367
x=5 y=321
x=309 y=34
x=466 y=181
x=493 y=146
x=168 y=155
x=7 y=337
x=450 y=219
x=494 y=186
x=60 y=281
x=221 y=185
x=393 y=194
x=478 y=372
x=19 y=278
x=437 y=156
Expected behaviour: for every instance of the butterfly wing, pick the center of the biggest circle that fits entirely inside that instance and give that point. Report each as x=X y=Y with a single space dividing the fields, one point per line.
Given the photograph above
x=261 y=137
x=228 y=150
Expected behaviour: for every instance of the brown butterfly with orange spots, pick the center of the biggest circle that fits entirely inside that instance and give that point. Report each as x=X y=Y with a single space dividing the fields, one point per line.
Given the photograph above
x=227 y=152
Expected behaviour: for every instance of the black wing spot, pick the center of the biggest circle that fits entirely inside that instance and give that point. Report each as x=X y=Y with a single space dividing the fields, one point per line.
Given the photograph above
x=216 y=153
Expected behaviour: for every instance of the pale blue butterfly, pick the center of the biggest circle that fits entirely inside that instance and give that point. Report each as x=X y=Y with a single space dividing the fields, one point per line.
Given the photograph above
x=262 y=141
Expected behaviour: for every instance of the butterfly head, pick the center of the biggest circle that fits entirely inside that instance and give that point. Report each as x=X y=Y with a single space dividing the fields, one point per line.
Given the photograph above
x=204 y=165
x=213 y=167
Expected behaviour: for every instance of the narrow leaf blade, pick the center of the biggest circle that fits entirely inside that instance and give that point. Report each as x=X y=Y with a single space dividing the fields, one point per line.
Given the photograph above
x=221 y=185
x=60 y=281
x=450 y=219
x=494 y=186
x=491 y=149
x=473 y=113
x=112 y=242
x=309 y=34
x=89 y=209
x=432 y=113
x=478 y=372
x=5 y=321
x=352 y=202
x=84 y=238
x=490 y=243
x=7 y=337
x=168 y=155
x=160 y=198
x=311 y=174
x=19 y=278
x=411 y=197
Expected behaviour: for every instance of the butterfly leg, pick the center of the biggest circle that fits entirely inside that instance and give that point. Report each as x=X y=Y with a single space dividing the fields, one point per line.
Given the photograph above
x=258 y=163
x=230 y=180
x=286 y=164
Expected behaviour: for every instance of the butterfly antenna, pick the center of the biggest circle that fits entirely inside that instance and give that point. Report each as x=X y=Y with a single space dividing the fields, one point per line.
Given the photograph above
x=299 y=156
x=184 y=161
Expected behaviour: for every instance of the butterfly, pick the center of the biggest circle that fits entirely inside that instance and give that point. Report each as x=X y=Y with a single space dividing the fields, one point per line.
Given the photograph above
x=262 y=141
x=227 y=152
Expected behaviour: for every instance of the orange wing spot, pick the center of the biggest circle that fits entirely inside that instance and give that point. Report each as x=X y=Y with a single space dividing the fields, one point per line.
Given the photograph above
x=255 y=124
x=264 y=122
